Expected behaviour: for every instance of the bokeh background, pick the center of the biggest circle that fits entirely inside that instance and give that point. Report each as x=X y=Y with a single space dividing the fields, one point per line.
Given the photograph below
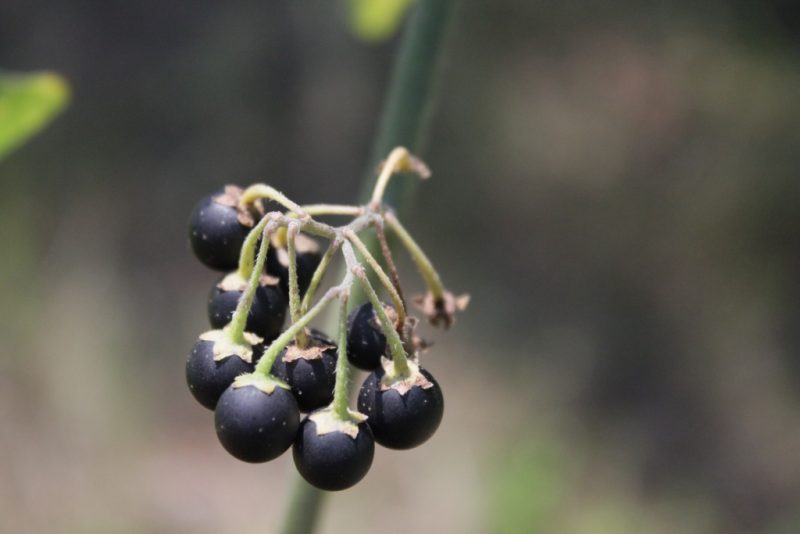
x=616 y=183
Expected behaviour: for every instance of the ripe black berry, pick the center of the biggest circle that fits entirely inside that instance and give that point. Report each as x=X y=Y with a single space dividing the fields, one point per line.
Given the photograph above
x=267 y=313
x=208 y=378
x=404 y=414
x=216 y=233
x=309 y=371
x=334 y=460
x=255 y=426
x=365 y=340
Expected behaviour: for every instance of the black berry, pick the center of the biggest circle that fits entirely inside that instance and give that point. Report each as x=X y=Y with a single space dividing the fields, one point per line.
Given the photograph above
x=365 y=340
x=310 y=372
x=208 y=378
x=255 y=426
x=215 y=232
x=335 y=460
x=267 y=313
x=402 y=418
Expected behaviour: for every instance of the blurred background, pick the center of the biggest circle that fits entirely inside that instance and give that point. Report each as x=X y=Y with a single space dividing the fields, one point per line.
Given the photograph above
x=615 y=183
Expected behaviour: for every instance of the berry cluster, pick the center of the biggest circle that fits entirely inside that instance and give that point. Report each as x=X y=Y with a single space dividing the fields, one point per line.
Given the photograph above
x=258 y=377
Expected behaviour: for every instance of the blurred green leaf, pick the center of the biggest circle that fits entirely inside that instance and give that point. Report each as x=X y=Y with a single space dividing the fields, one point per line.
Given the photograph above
x=27 y=103
x=375 y=20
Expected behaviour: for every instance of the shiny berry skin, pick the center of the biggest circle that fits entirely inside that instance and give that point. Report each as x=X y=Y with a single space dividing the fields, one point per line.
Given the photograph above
x=365 y=340
x=333 y=461
x=266 y=316
x=310 y=372
x=215 y=233
x=255 y=426
x=207 y=378
x=401 y=421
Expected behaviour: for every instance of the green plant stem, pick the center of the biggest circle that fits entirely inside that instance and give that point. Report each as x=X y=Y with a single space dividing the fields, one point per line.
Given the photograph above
x=332 y=209
x=397 y=301
x=305 y=502
x=256 y=191
x=248 y=252
x=294 y=289
x=390 y=167
x=239 y=319
x=410 y=92
x=313 y=227
x=388 y=258
x=341 y=391
x=319 y=273
x=396 y=348
x=426 y=269
x=265 y=363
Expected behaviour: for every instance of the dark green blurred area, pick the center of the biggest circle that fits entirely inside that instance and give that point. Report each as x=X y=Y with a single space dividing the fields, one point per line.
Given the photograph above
x=617 y=184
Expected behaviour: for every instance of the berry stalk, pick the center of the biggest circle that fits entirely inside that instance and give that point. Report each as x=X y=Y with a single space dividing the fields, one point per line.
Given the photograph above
x=257 y=191
x=396 y=349
x=341 y=390
x=386 y=251
x=265 y=363
x=426 y=269
x=248 y=253
x=397 y=300
x=239 y=319
x=332 y=209
x=322 y=268
x=294 y=289
x=399 y=160
x=389 y=168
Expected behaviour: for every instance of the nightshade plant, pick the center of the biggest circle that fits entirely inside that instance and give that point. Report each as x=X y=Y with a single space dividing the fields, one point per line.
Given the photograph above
x=258 y=380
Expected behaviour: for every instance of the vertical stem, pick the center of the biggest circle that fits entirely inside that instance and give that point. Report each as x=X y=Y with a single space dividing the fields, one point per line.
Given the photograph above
x=409 y=96
x=411 y=89
x=409 y=99
x=302 y=514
